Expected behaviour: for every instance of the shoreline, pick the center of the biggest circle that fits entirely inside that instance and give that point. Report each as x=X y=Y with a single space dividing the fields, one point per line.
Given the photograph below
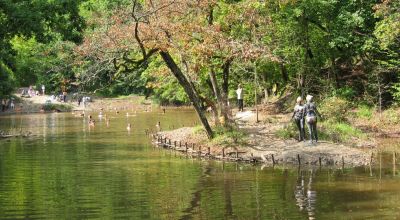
x=262 y=145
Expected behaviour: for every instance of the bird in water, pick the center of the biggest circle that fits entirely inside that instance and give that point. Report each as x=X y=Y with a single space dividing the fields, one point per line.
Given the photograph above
x=92 y=123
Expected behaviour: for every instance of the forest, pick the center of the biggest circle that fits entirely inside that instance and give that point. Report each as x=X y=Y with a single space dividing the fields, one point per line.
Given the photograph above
x=198 y=51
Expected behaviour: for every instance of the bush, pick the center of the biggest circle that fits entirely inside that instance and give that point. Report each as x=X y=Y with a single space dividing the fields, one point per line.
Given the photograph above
x=339 y=131
x=346 y=92
x=228 y=136
x=288 y=132
x=334 y=108
x=390 y=117
x=57 y=107
x=365 y=112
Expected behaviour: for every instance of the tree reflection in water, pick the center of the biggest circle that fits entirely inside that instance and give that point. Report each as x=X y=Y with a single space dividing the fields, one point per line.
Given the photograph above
x=306 y=198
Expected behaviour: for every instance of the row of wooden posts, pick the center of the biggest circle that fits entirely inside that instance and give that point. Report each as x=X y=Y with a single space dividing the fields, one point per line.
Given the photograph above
x=191 y=148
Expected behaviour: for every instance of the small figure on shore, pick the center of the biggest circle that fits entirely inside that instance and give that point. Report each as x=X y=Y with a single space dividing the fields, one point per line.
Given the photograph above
x=64 y=96
x=12 y=105
x=43 y=88
x=128 y=127
x=158 y=126
x=298 y=116
x=311 y=113
x=79 y=101
x=163 y=110
x=239 y=93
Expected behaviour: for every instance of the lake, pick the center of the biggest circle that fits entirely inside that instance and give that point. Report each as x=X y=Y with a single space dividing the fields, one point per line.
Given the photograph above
x=68 y=170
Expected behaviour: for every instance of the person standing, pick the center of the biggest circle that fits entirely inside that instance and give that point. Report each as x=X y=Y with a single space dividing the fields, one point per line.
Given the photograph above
x=43 y=89
x=65 y=96
x=298 y=116
x=12 y=105
x=239 y=93
x=311 y=113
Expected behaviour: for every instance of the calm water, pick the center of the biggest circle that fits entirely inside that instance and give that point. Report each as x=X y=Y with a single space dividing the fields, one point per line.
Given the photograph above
x=69 y=171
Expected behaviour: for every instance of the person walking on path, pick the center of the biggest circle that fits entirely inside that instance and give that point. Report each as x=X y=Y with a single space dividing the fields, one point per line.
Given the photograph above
x=311 y=113
x=298 y=116
x=239 y=93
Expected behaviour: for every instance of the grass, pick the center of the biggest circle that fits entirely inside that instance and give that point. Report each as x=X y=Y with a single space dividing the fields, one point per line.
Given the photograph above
x=228 y=136
x=364 y=112
x=339 y=131
x=327 y=130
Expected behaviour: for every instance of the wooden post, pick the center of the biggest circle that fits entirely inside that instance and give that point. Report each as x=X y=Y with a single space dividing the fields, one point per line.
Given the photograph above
x=175 y=144
x=223 y=152
x=186 y=147
x=169 y=143
x=237 y=154
x=319 y=159
x=342 y=162
x=193 y=146
x=273 y=159
x=394 y=163
x=165 y=140
x=370 y=161
x=180 y=144
x=209 y=151
x=298 y=159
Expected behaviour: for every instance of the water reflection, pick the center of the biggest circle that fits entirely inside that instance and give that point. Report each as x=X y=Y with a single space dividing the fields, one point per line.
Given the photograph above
x=77 y=173
x=306 y=197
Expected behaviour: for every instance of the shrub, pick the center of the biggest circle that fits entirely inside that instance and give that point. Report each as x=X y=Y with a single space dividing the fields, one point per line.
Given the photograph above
x=58 y=107
x=339 y=131
x=334 y=108
x=345 y=92
x=288 y=131
x=228 y=136
x=365 y=112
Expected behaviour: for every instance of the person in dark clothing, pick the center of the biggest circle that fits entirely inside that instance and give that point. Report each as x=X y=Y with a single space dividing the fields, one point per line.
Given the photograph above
x=298 y=116
x=311 y=114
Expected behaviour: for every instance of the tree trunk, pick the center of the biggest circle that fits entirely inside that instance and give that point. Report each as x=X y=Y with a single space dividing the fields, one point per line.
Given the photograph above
x=225 y=87
x=189 y=89
x=284 y=72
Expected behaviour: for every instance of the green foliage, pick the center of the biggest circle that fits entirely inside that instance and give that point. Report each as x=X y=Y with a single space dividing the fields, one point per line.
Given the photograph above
x=345 y=92
x=365 y=112
x=228 y=136
x=287 y=132
x=334 y=108
x=390 y=117
x=339 y=131
x=57 y=107
x=6 y=80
